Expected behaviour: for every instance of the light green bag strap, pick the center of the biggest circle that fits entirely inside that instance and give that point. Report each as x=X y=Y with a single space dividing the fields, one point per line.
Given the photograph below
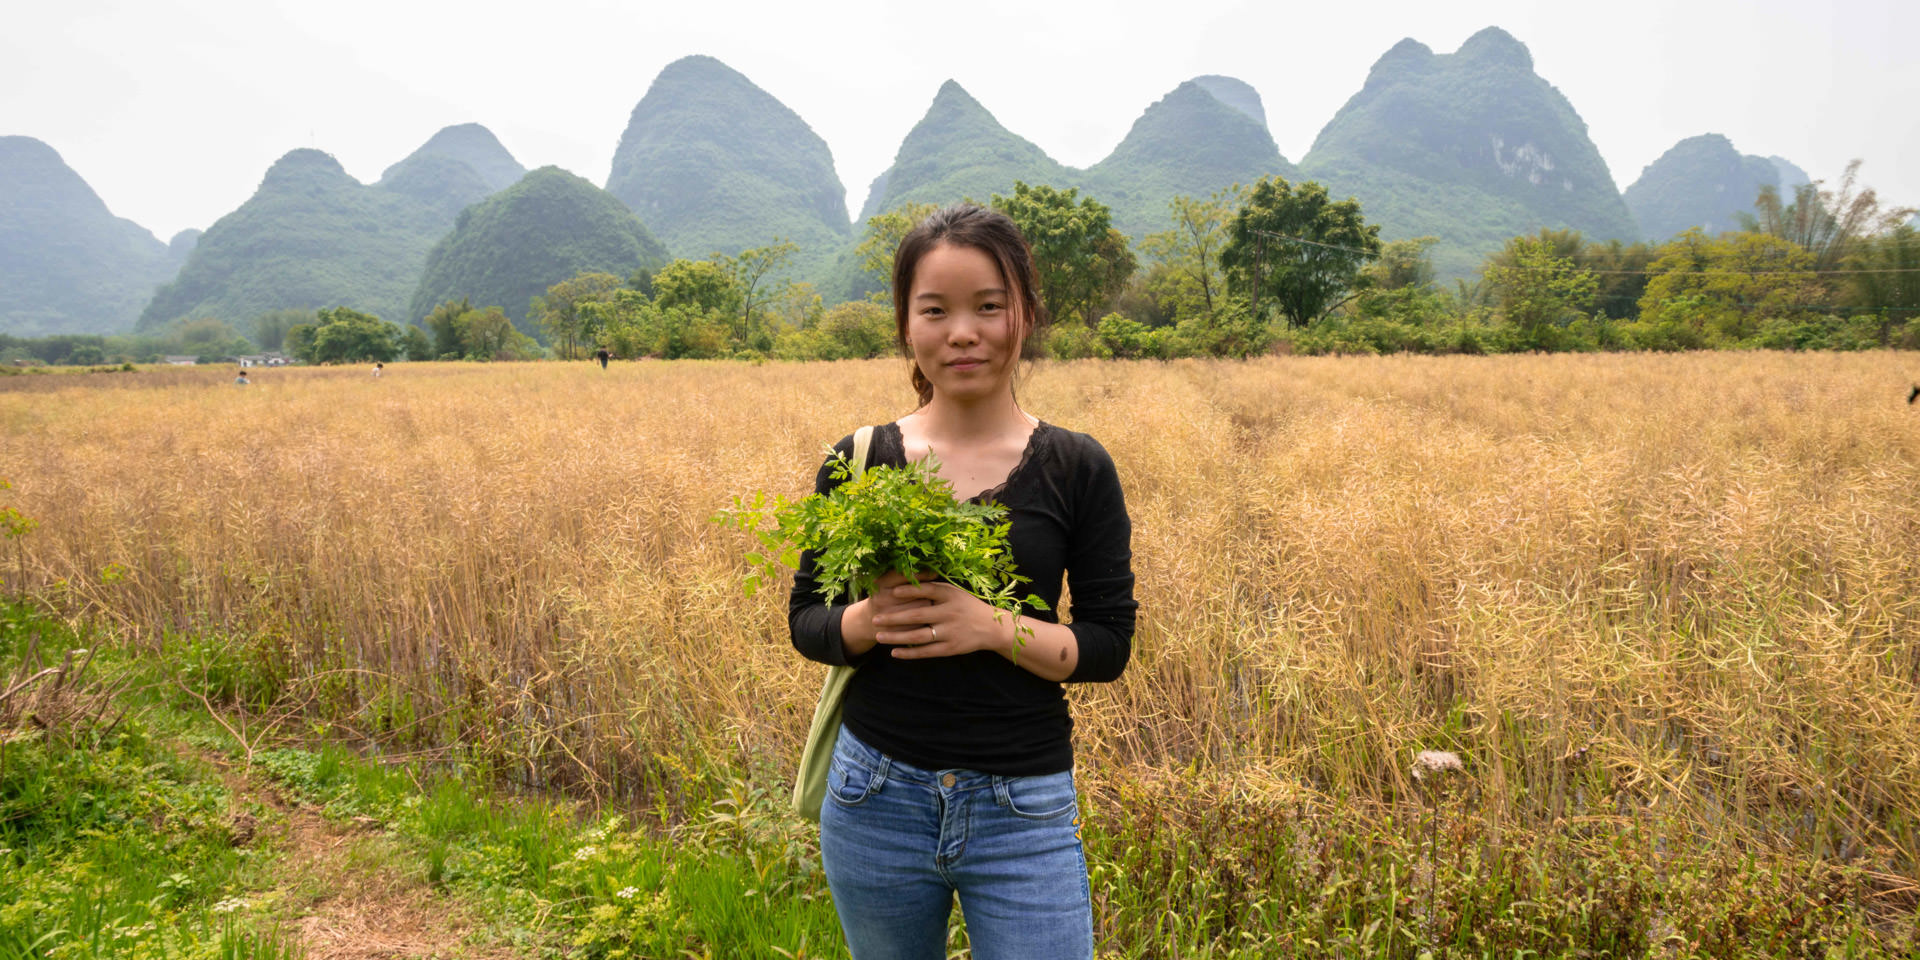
x=810 y=787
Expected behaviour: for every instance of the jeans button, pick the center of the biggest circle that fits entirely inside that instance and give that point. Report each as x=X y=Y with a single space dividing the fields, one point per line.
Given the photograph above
x=947 y=781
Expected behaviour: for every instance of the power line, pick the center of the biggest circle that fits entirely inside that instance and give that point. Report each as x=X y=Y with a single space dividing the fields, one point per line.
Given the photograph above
x=1316 y=243
x=1745 y=273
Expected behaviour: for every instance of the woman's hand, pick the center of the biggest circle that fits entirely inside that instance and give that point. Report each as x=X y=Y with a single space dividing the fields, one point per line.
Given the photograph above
x=858 y=625
x=933 y=618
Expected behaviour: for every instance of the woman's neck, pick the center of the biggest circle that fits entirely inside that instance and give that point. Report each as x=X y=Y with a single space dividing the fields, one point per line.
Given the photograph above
x=946 y=422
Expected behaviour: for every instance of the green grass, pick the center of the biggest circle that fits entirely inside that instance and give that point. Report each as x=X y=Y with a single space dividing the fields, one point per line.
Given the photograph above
x=739 y=878
x=112 y=844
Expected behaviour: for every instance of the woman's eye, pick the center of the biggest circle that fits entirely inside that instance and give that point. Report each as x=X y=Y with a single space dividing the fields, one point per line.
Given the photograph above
x=989 y=307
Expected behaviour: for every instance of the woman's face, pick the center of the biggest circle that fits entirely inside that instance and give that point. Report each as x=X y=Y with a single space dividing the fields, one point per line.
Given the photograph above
x=961 y=324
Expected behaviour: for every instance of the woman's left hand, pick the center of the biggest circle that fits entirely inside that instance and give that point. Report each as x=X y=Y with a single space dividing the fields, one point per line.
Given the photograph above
x=953 y=623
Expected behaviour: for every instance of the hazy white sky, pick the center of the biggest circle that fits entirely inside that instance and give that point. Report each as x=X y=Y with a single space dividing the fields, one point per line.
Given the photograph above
x=173 y=109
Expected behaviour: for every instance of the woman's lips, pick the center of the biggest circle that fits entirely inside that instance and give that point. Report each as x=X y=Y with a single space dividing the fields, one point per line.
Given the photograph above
x=966 y=363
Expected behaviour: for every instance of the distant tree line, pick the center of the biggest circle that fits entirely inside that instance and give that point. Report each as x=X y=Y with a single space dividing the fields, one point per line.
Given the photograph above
x=1277 y=266
x=1284 y=266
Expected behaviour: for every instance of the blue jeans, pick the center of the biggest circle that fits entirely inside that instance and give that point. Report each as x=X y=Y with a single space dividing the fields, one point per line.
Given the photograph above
x=898 y=842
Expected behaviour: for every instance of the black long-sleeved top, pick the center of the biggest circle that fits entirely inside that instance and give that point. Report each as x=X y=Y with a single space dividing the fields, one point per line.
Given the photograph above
x=980 y=711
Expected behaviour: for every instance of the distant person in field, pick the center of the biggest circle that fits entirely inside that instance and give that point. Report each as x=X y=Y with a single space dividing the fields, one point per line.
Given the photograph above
x=378 y=369
x=953 y=769
x=603 y=356
x=242 y=378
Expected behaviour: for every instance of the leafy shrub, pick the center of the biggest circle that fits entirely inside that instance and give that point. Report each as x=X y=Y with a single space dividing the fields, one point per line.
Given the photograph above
x=1126 y=339
x=1073 y=341
x=1234 y=330
x=855 y=330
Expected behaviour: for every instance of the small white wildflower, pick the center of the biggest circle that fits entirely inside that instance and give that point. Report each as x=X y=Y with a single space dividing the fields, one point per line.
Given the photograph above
x=230 y=905
x=587 y=852
x=626 y=893
x=1429 y=763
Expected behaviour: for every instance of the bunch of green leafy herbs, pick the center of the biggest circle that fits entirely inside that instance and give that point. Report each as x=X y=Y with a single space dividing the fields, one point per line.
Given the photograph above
x=899 y=519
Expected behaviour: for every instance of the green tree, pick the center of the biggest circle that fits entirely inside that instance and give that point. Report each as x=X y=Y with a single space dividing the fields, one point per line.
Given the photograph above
x=681 y=332
x=1540 y=291
x=857 y=330
x=414 y=342
x=559 y=312
x=701 y=285
x=672 y=327
x=1400 y=286
x=1565 y=244
x=1299 y=248
x=442 y=323
x=882 y=241
x=1149 y=296
x=751 y=270
x=1825 y=223
x=1081 y=261
x=621 y=321
x=488 y=334
x=1126 y=339
x=641 y=280
x=1886 y=281
x=270 y=328
x=801 y=306
x=1193 y=280
x=1234 y=330
x=1403 y=264
x=1621 y=269
x=1723 y=289
x=344 y=335
x=207 y=337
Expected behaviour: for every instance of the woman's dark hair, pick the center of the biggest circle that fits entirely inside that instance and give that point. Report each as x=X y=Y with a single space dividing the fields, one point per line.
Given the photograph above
x=989 y=231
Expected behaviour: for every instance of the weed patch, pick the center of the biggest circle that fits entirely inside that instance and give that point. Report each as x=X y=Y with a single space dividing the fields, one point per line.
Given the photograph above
x=111 y=844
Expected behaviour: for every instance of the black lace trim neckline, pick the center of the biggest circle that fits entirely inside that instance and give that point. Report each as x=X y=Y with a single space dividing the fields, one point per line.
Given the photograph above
x=1027 y=455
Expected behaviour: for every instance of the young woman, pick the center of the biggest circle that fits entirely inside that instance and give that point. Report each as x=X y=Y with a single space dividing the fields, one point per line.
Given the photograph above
x=953 y=773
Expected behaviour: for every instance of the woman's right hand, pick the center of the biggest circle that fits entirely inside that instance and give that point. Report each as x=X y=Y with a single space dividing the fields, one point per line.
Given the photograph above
x=856 y=623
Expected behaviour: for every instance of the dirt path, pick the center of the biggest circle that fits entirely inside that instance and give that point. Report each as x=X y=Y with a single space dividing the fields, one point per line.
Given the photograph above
x=346 y=889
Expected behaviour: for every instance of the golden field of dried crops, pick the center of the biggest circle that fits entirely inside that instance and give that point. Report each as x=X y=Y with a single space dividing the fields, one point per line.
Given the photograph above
x=1611 y=583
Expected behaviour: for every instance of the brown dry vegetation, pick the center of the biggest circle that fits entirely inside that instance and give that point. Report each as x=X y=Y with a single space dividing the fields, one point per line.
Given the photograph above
x=1613 y=583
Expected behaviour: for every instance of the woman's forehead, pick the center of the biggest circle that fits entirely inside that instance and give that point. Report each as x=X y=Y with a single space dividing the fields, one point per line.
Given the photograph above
x=954 y=265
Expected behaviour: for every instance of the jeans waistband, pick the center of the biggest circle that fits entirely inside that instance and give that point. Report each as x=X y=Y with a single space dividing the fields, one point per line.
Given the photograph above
x=893 y=769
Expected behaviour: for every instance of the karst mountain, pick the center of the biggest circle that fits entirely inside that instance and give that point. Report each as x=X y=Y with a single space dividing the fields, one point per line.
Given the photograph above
x=959 y=151
x=312 y=236
x=1472 y=147
x=512 y=246
x=1701 y=182
x=1208 y=133
x=711 y=163
x=457 y=166
x=67 y=264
